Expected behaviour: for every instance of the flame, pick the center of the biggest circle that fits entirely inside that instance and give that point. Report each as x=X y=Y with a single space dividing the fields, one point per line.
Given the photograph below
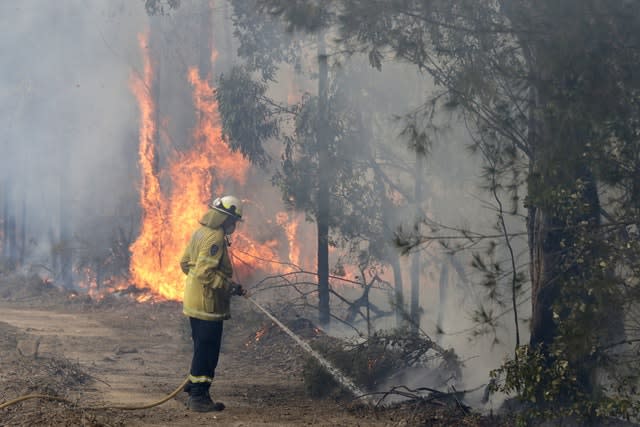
x=290 y=226
x=169 y=220
x=87 y=280
x=172 y=200
x=262 y=332
x=150 y=250
x=258 y=336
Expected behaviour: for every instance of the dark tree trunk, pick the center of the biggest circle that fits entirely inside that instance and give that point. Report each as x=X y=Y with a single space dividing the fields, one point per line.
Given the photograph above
x=66 y=219
x=323 y=208
x=444 y=284
x=54 y=250
x=156 y=52
x=23 y=233
x=13 y=241
x=560 y=282
x=394 y=259
x=6 y=214
x=562 y=261
x=416 y=267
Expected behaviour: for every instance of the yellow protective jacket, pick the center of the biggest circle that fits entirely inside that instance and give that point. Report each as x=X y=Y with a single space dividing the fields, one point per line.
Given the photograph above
x=208 y=268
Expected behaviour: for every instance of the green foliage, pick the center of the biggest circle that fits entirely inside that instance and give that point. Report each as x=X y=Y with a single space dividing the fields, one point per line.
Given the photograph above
x=345 y=168
x=264 y=41
x=549 y=386
x=249 y=118
x=160 y=7
x=549 y=93
x=534 y=377
x=299 y=14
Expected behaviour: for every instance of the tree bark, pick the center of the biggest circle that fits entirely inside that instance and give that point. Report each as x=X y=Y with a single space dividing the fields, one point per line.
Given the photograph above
x=416 y=267
x=5 y=219
x=394 y=259
x=443 y=285
x=13 y=241
x=66 y=257
x=323 y=208
x=23 y=233
x=562 y=261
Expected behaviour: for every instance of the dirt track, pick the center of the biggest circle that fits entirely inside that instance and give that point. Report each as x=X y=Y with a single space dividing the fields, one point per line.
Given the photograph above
x=120 y=352
x=136 y=353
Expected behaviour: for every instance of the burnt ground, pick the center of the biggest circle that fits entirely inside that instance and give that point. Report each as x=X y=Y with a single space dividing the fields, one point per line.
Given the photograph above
x=117 y=351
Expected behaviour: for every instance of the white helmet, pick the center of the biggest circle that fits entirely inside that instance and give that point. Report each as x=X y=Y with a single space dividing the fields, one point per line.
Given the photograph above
x=229 y=205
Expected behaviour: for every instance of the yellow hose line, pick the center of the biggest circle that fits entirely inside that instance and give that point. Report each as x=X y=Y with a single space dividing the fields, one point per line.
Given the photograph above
x=32 y=396
x=123 y=408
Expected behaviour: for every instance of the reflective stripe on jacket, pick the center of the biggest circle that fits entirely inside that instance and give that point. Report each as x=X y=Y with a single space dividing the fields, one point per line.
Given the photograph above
x=208 y=268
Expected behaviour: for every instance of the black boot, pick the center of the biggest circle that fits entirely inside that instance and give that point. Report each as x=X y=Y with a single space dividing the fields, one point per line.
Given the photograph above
x=200 y=401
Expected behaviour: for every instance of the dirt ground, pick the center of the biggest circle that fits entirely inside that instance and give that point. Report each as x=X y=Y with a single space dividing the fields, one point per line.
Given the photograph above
x=117 y=351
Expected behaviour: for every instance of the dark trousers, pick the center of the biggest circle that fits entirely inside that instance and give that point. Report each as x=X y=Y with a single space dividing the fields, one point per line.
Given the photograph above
x=207 y=337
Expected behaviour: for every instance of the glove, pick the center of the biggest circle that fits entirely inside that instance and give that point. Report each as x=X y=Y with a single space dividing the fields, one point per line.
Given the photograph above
x=237 y=289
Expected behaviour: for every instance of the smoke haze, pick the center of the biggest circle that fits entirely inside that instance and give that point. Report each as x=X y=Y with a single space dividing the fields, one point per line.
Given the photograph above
x=69 y=120
x=69 y=136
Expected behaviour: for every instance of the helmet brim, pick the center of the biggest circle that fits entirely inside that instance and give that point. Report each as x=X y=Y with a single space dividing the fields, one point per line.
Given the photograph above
x=226 y=212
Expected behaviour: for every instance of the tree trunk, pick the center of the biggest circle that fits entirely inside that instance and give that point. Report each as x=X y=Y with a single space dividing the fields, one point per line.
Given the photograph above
x=23 y=233
x=560 y=277
x=416 y=267
x=394 y=259
x=323 y=208
x=444 y=283
x=5 y=219
x=563 y=262
x=156 y=49
x=55 y=253
x=13 y=241
x=65 y=225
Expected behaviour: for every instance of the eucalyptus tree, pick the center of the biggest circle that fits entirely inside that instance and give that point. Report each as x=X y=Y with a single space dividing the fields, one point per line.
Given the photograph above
x=548 y=90
x=317 y=173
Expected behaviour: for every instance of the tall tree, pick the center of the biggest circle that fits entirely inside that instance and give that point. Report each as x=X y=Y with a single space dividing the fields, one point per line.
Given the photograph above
x=549 y=83
x=323 y=204
x=264 y=46
x=359 y=209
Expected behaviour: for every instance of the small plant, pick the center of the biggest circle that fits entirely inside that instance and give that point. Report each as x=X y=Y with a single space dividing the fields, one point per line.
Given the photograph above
x=549 y=387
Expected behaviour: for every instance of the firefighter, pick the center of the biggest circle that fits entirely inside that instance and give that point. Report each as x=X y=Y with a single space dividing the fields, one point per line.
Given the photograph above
x=207 y=295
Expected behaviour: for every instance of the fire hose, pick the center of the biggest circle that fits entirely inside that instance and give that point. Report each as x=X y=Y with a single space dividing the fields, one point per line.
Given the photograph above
x=334 y=372
x=123 y=407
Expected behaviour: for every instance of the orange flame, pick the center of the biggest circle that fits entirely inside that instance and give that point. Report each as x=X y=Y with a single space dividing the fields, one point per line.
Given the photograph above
x=150 y=250
x=262 y=332
x=168 y=221
x=290 y=226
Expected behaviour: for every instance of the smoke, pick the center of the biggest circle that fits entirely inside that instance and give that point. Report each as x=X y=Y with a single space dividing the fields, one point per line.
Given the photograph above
x=69 y=139
x=452 y=196
x=68 y=132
